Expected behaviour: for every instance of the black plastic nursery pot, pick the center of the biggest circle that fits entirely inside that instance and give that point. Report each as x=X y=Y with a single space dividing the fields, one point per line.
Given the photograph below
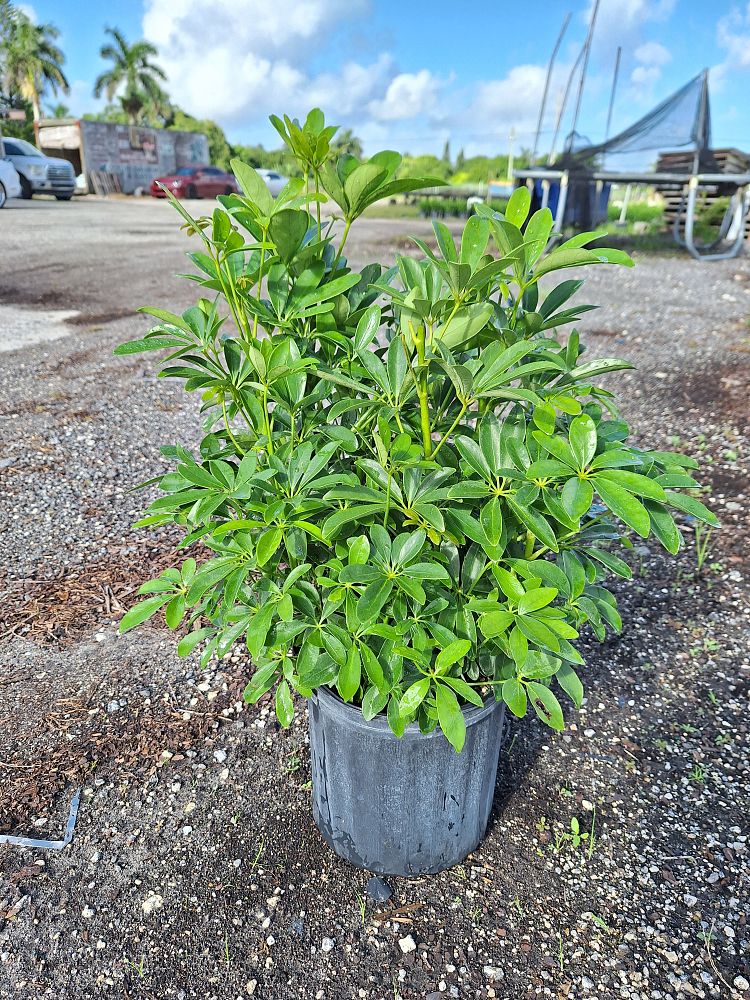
x=409 y=806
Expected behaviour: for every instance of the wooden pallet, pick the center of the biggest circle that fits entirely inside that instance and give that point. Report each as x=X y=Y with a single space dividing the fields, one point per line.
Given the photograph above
x=104 y=182
x=718 y=161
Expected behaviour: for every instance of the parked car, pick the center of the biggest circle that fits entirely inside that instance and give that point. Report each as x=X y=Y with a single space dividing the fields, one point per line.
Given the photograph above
x=274 y=182
x=40 y=174
x=195 y=182
x=10 y=183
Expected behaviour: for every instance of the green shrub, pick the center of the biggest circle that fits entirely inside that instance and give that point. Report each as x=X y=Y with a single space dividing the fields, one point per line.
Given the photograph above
x=410 y=481
x=638 y=211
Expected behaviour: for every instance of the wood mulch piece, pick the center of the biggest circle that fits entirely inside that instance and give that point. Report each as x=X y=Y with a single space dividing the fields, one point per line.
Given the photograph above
x=52 y=730
x=66 y=734
x=59 y=611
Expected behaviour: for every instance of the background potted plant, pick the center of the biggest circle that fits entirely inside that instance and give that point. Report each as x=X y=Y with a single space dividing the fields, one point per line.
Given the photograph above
x=406 y=497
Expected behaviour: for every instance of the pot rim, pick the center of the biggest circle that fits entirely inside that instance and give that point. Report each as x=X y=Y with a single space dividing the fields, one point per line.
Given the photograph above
x=352 y=715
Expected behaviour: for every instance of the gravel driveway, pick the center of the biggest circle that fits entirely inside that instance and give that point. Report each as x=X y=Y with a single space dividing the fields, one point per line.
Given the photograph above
x=195 y=870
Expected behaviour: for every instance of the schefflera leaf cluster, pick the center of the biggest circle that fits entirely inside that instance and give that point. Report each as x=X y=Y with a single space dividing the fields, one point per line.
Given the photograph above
x=412 y=482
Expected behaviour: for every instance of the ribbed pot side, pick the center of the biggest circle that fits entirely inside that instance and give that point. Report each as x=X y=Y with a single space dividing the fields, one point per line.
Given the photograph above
x=406 y=806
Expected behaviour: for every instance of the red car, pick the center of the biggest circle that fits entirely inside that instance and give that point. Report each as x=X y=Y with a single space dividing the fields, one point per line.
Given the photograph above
x=195 y=182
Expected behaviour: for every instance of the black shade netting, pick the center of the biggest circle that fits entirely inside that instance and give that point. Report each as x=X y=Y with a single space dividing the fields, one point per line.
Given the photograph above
x=682 y=122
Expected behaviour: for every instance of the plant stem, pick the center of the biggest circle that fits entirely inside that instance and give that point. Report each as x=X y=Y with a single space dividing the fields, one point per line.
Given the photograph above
x=317 y=200
x=229 y=429
x=344 y=235
x=451 y=429
x=260 y=279
x=529 y=545
x=267 y=420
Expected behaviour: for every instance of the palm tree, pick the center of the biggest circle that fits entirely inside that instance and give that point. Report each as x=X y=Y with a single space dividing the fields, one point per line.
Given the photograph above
x=58 y=110
x=30 y=60
x=346 y=142
x=131 y=67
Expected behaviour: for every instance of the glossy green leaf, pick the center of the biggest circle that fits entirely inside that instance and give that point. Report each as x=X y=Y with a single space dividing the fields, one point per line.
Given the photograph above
x=414 y=696
x=514 y=696
x=450 y=716
x=689 y=505
x=576 y=497
x=350 y=674
x=252 y=185
x=517 y=209
x=533 y=600
x=452 y=653
x=569 y=681
x=373 y=599
x=268 y=543
x=583 y=439
x=284 y=705
x=625 y=506
x=546 y=706
x=141 y=612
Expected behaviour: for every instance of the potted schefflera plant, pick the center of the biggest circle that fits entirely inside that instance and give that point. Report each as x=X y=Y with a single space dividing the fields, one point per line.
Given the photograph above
x=408 y=492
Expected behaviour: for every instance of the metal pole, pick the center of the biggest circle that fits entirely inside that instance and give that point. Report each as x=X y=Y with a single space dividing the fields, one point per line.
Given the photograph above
x=511 y=140
x=561 y=112
x=701 y=121
x=586 y=51
x=624 y=211
x=550 y=65
x=612 y=95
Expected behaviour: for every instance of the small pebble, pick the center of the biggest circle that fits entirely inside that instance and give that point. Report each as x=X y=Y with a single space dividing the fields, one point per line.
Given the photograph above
x=378 y=889
x=407 y=944
x=493 y=973
x=152 y=903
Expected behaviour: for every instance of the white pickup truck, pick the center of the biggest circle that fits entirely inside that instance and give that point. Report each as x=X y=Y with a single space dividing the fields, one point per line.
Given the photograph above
x=10 y=182
x=40 y=174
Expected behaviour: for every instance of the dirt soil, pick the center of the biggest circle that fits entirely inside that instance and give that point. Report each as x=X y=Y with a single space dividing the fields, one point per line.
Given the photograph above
x=195 y=870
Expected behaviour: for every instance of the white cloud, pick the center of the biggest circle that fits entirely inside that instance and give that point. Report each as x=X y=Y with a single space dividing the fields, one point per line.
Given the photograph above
x=29 y=11
x=408 y=95
x=621 y=22
x=237 y=61
x=240 y=60
x=650 y=57
x=645 y=76
x=514 y=98
x=652 y=54
x=733 y=35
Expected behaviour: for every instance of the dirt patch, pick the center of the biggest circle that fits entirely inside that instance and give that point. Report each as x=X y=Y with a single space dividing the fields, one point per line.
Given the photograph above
x=52 y=298
x=99 y=318
x=723 y=389
x=57 y=612
x=609 y=334
x=54 y=731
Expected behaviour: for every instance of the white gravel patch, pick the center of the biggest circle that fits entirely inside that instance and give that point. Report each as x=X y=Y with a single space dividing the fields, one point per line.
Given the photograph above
x=24 y=327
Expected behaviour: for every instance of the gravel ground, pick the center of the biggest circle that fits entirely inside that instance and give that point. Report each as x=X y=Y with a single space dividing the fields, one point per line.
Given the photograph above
x=195 y=869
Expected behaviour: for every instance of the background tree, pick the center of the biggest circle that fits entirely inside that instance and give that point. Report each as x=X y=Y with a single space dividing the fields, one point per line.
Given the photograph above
x=446 y=157
x=220 y=152
x=30 y=60
x=132 y=69
x=111 y=113
x=345 y=142
x=59 y=110
x=12 y=128
x=424 y=166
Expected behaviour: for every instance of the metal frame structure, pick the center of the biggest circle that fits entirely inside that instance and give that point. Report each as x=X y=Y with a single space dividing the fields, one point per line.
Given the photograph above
x=732 y=226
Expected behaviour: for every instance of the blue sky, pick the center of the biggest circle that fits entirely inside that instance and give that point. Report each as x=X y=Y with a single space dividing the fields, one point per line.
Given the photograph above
x=411 y=74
